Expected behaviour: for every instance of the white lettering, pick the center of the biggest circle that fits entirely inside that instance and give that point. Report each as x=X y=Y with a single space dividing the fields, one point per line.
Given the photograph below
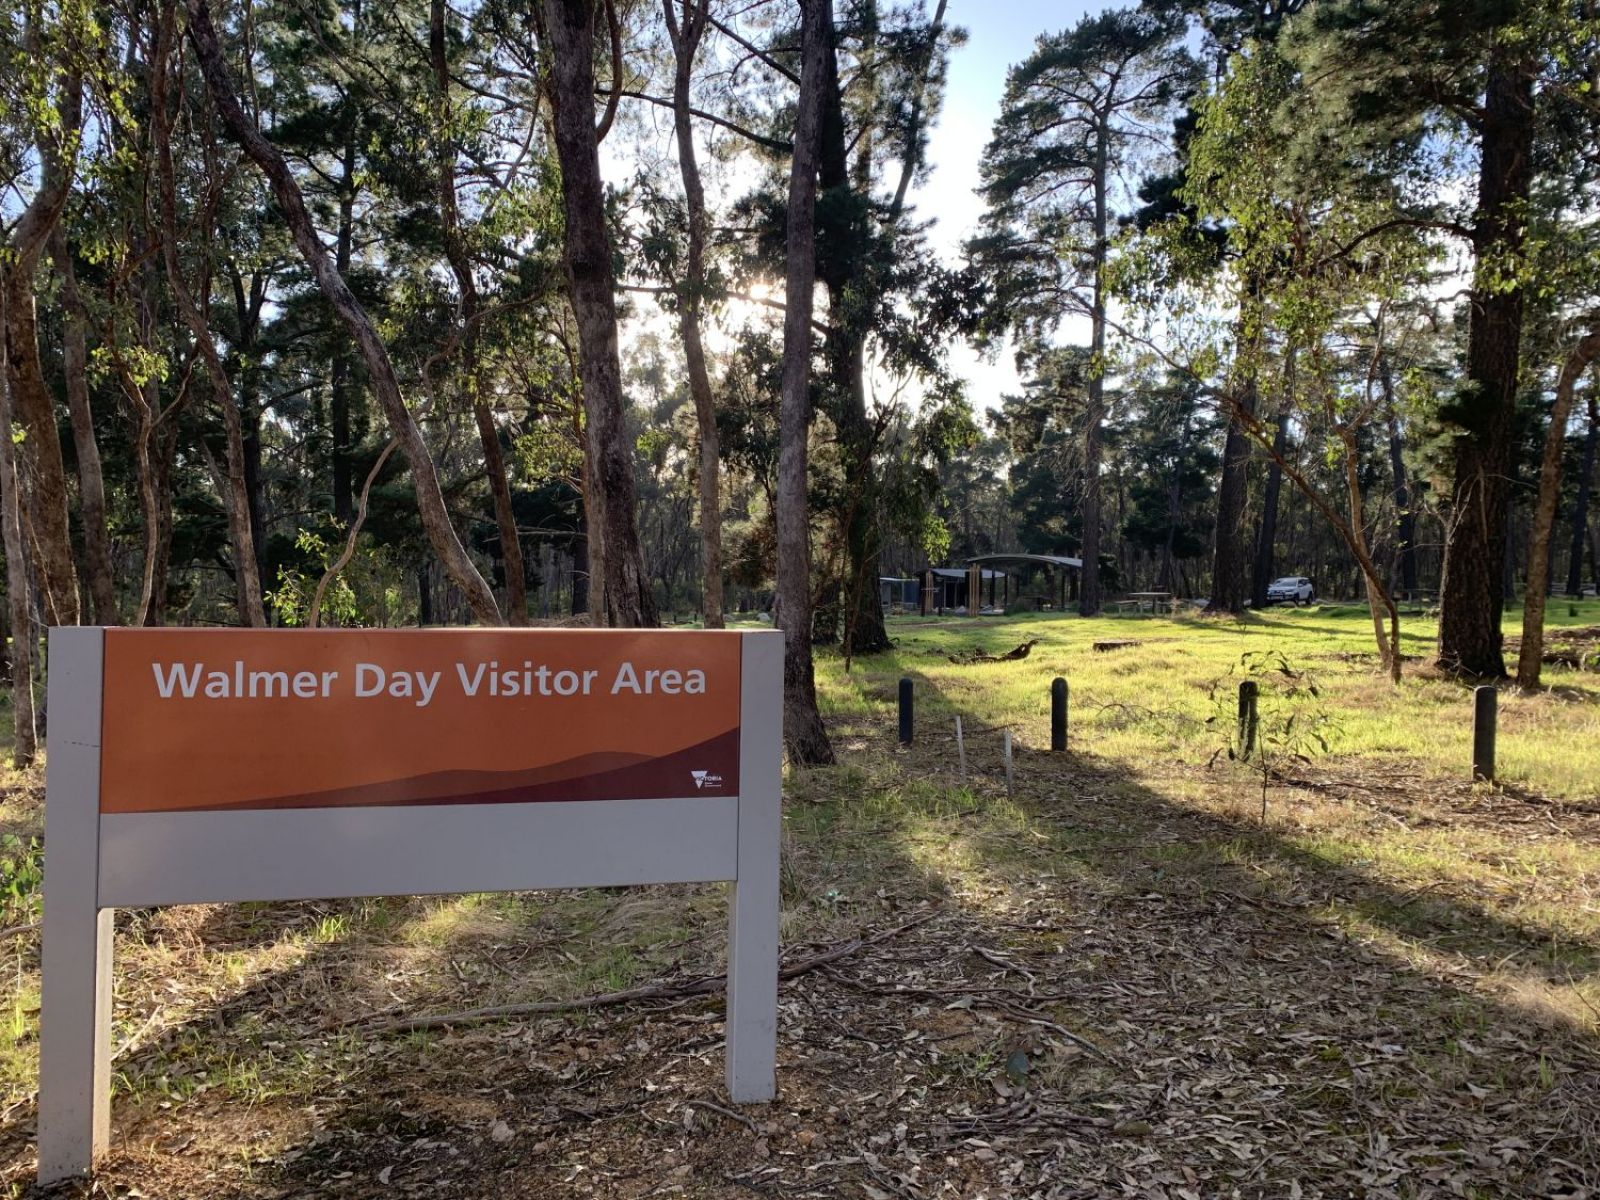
x=179 y=675
x=470 y=686
x=369 y=679
x=627 y=680
x=429 y=684
x=268 y=682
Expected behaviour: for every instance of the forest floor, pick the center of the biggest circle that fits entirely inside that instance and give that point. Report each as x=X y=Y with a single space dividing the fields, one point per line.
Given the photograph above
x=1123 y=979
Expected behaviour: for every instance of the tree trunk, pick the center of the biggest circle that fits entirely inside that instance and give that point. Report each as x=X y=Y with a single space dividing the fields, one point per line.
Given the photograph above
x=45 y=507
x=804 y=735
x=838 y=263
x=1267 y=535
x=1580 y=505
x=341 y=383
x=1227 y=559
x=430 y=498
x=247 y=358
x=1090 y=599
x=686 y=35
x=570 y=26
x=1471 y=600
x=455 y=249
x=191 y=307
x=91 y=482
x=24 y=744
x=1379 y=603
x=1405 y=518
x=1544 y=515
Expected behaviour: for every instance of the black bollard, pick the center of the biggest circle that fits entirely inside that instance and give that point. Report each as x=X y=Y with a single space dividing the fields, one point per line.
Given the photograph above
x=905 y=712
x=1058 y=716
x=1248 y=720
x=1485 y=704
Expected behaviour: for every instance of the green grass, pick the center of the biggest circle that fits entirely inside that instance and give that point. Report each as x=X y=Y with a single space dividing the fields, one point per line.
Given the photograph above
x=1170 y=694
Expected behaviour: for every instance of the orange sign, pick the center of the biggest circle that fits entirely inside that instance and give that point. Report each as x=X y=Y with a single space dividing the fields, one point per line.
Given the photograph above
x=234 y=719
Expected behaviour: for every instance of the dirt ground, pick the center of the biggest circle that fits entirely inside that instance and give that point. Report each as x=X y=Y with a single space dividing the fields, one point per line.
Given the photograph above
x=1115 y=995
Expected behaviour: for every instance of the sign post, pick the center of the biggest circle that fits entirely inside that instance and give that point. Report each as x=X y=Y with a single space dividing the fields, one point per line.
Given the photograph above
x=201 y=766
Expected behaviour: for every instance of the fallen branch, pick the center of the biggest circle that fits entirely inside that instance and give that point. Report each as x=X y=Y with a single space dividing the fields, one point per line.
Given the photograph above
x=726 y=1112
x=978 y=656
x=15 y=930
x=703 y=986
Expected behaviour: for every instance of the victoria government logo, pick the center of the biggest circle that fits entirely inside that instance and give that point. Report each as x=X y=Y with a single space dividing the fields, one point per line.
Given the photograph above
x=706 y=781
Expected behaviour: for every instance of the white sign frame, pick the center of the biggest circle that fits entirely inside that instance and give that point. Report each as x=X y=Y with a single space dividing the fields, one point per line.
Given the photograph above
x=96 y=863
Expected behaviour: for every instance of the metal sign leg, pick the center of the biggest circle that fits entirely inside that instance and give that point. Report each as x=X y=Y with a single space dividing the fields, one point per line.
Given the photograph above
x=75 y=1004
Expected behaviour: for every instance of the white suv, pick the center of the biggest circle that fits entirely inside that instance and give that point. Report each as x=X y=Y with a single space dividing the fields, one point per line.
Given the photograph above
x=1291 y=589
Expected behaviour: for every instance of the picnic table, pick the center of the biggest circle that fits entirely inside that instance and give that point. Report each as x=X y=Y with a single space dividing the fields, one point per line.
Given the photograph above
x=1158 y=601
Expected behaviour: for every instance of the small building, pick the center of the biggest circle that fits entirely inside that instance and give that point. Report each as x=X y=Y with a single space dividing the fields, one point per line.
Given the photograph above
x=1014 y=570
x=898 y=594
x=951 y=584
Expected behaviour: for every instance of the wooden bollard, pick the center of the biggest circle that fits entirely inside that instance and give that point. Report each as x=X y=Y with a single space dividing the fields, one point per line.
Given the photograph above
x=1010 y=783
x=1058 y=716
x=1248 y=718
x=1485 y=706
x=905 y=712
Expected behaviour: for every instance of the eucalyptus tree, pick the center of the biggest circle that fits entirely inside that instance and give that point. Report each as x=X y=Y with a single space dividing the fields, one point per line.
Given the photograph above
x=803 y=731
x=569 y=26
x=1078 y=114
x=291 y=201
x=48 y=50
x=687 y=22
x=193 y=304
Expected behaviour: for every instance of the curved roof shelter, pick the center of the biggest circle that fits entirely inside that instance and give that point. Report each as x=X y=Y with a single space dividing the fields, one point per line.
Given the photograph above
x=1042 y=560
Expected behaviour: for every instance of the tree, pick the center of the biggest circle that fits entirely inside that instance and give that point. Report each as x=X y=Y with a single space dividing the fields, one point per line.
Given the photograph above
x=1578 y=360
x=571 y=29
x=23 y=735
x=1580 y=503
x=430 y=500
x=1230 y=27
x=870 y=261
x=192 y=306
x=1077 y=114
x=803 y=732
x=52 y=52
x=471 y=315
x=686 y=33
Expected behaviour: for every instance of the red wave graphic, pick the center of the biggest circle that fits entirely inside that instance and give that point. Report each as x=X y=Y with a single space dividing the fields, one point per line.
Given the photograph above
x=610 y=775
